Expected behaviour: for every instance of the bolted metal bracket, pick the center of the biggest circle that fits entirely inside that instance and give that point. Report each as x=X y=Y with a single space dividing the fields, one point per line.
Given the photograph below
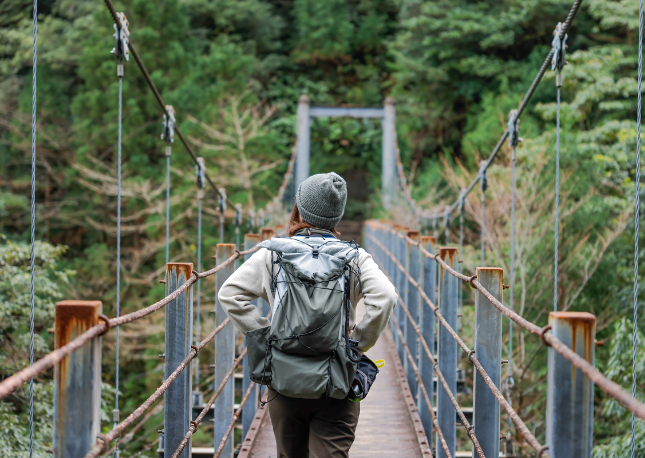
x=513 y=128
x=261 y=218
x=559 y=45
x=168 y=132
x=482 y=173
x=238 y=215
x=222 y=200
x=200 y=169
x=252 y=219
x=121 y=43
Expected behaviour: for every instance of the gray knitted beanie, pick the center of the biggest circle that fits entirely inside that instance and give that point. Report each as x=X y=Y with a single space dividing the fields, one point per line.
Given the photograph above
x=321 y=200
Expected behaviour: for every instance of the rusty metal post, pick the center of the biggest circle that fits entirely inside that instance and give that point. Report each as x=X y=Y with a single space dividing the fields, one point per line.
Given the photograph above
x=388 y=242
x=402 y=288
x=224 y=355
x=427 y=281
x=412 y=301
x=448 y=352
x=488 y=348
x=569 y=406
x=251 y=407
x=77 y=381
x=179 y=332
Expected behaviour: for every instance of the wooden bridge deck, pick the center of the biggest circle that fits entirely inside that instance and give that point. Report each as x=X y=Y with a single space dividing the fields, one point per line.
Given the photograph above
x=388 y=425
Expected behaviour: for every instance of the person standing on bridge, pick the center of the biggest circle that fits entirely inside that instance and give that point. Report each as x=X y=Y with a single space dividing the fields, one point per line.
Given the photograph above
x=314 y=418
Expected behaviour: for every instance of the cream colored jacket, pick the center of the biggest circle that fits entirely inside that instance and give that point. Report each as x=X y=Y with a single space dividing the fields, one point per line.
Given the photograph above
x=253 y=280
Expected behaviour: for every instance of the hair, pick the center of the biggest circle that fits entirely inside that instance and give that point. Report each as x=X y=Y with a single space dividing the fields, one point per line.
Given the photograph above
x=296 y=223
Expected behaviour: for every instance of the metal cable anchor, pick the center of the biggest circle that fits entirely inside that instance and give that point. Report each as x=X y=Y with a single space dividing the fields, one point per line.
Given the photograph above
x=559 y=45
x=513 y=128
x=121 y=42
x=168 y=123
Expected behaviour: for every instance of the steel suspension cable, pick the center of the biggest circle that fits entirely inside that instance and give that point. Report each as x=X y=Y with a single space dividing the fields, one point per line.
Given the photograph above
x=482 y=181
x=567 y=23
x=155 y=92
x=200 y=168
x=121 y=35
x=198 y=328
x=559 y=52
x=557 y=205
x=167 y=207
x=115 y=413
x=637 y=217
x=33 y=226
x=460 y=264
x=513 y=127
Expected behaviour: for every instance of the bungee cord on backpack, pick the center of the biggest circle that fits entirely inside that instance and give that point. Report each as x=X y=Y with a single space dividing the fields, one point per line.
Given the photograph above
x=292 y=279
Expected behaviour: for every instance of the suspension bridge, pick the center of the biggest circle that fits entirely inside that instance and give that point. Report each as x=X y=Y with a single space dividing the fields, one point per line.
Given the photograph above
x=414 y=409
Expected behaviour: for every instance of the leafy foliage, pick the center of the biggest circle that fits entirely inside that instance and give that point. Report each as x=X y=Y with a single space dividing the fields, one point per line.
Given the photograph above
x=233 y=70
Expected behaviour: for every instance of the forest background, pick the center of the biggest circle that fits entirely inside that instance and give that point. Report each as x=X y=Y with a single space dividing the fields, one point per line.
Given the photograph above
x=233 y=70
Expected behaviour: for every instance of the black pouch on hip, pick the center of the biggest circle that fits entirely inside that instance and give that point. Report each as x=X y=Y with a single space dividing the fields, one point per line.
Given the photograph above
x=366 y=371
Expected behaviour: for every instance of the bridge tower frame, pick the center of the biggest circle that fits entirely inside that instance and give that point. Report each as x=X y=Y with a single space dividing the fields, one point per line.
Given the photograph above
x=387 y=115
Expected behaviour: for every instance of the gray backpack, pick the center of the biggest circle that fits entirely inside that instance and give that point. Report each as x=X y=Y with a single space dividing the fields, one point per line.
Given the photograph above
x=306 y=352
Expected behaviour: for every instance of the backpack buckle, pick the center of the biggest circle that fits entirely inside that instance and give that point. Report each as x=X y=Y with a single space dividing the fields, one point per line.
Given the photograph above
x=315 y=253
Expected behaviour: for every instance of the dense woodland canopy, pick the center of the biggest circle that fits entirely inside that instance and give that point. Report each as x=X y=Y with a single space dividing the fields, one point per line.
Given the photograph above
x=233 y=70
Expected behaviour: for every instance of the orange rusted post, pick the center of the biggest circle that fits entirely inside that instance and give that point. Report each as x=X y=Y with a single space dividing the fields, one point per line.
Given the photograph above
x=570 y=393
x=426 y=323
x=447 y=350
x=77 y=380
x=267 y=233
x=412 y=261
x=179 y=334
x=488 y=348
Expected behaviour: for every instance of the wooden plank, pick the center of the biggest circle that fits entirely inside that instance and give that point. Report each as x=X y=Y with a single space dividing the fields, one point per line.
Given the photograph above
x=254 y=429
x=417 y=426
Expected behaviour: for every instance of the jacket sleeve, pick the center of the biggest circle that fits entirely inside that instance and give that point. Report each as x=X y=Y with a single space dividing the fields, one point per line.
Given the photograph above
x=249 y=282
x=379 y=296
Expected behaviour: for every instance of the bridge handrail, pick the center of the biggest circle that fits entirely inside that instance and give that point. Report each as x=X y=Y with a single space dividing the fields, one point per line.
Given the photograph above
x=417 y=375
x=469 y=429
x=231 y=425
x=48 y=361
x=102 y=445
x=195 y=423
x=530 y=438
x=609 y=387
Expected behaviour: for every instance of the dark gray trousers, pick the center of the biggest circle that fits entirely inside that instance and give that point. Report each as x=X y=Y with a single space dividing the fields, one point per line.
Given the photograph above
x=313 y=428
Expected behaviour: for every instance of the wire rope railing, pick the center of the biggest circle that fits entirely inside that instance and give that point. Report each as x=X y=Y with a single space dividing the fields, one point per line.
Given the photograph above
x=530 y=438
x=442 y=439
x=176 y=290
x=10 y=384
x=609 y=387
x=546 y=333
x=105 y=440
